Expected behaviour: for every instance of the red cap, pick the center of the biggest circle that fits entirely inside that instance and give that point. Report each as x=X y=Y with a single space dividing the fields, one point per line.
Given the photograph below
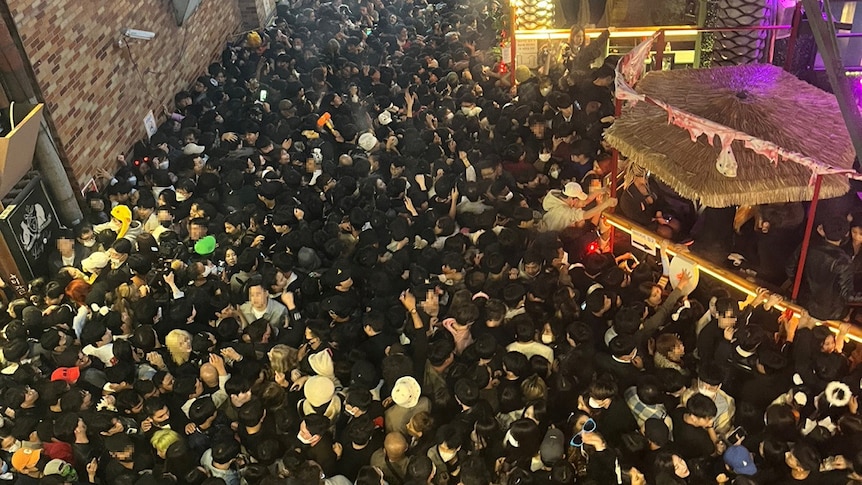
x=68 y=374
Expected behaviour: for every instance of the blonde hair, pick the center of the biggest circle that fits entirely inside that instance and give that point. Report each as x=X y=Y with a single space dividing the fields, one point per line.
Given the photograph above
x=173 y=340
x=163 y=439
x=534 y=388
x=283 y=358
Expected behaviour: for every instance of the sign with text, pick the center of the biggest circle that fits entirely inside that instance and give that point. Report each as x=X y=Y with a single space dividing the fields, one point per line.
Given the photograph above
x=645 y=242
x=527 y=53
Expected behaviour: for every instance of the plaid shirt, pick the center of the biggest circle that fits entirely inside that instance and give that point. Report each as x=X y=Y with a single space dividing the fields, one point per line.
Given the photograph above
x=642 y=411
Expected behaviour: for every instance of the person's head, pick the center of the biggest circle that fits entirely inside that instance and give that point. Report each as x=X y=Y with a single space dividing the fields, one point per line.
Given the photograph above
x=727 y=309
x=420 y=469
x=202 y=412
x=225 y=451
x=419 y=424
x=671 y=464
x=601 y=392
x=577 y=37
x=313 y=428
x=238 y=389
x=670 y=346
x=156 y=408
x=632 y=476
x=649 y=390
x=360 y=430
x=162 y=439
x=179 y=344
x=701 y=411
x=282 y=359
x=523 y=436
x=395 y=446
x=781 y=422
x=258 y=295
x=252 y=413
x=834 y=229
x=824 y=339
x=802 y=458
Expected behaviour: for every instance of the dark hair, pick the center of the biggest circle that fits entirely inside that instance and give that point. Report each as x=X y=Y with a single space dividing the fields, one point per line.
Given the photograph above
x=835 y=228
x=701 y=406
x=316 y=424
x=516 y=363
x=807 y=456
x=419 y=468
x=360 y=430
x=603 y=387
x=467 y=392
x=153 y=404
x=781 y=422
x=649 y=390
x=202 y=409
x=224 y=451
x=251 y=412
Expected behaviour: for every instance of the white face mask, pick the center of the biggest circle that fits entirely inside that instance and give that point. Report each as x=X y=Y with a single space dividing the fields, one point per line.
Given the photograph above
x=449 y=116
x=303 y=440
x=89 y=243
x=546 y=339
x=545 y=157
x=15 y=447
x=555 y=174
x=164 y=165
x=116 y=263
x=181 y=197
x=446 y=456
x=133 y=180
x=706 y=392
x=508 y=196
x=350 y=411
x=207 y=271
x=594 y=404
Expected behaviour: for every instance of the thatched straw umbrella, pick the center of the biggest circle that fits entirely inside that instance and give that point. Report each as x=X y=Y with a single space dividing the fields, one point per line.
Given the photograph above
x=760 y=100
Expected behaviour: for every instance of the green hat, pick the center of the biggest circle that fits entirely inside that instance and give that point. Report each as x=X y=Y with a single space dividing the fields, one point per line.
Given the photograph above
x=205 y=246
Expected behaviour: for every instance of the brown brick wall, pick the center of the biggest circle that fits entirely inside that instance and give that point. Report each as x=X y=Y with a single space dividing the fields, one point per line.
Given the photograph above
x=93 y=91
x=255 y=13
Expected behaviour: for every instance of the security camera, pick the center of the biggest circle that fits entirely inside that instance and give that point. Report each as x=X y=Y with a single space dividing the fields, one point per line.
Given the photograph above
x=139 y=34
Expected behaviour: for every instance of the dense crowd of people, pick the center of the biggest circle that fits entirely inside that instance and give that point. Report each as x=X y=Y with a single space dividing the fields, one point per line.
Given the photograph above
x=359 y=253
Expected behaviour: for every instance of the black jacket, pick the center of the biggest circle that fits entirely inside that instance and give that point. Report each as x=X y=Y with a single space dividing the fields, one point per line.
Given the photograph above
x=827 y=280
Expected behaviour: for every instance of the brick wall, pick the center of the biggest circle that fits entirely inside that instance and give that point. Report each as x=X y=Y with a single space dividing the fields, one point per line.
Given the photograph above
x=255 y=13
x=94 y=92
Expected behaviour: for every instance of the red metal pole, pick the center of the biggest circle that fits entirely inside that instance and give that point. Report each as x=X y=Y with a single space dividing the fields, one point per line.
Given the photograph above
x=809 y=226
x=794 y=33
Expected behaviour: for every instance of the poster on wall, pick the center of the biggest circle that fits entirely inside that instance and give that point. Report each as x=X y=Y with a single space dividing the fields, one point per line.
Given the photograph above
x=29 y=225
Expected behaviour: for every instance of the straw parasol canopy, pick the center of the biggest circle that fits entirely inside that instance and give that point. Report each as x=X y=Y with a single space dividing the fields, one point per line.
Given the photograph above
x=757 y=99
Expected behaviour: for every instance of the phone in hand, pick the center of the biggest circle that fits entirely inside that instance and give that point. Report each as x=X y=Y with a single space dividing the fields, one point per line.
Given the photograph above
x=736 y=437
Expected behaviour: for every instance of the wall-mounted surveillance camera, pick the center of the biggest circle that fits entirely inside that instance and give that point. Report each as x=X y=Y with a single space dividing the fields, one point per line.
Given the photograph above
x=139 y=34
